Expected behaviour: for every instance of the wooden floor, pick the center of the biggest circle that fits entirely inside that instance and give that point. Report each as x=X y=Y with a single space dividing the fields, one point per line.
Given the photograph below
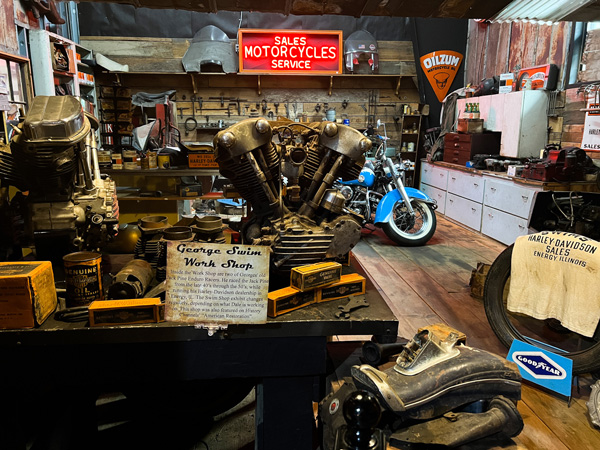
x=430 y=284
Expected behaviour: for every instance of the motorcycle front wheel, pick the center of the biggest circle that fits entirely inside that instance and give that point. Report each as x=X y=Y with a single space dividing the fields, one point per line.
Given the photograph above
x=547 y=334
x=410 y=231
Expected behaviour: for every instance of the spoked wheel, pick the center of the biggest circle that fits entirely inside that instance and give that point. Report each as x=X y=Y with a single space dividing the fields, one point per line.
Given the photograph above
x=411 y=231
x=548 y=334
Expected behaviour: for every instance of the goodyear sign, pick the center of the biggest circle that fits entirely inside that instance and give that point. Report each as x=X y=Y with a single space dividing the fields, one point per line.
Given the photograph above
x=542 y=367
x=441 y=67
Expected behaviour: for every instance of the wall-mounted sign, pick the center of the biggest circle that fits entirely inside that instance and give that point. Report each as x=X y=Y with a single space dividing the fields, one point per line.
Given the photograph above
x=441 y=67
x=591 y=128
x=290 y=51
x=216 y=283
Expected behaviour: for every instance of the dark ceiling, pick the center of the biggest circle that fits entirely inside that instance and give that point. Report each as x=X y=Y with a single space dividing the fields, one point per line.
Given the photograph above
x=460 y=9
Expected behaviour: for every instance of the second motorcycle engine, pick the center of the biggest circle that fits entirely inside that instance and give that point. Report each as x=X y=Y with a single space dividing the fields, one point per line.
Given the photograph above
x=286 y=175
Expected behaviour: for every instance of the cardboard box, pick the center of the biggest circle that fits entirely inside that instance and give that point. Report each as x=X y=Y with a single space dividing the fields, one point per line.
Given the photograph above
x=124 y=312
x=351 y=284
x=316 y=275
x=470 y=126
x=27 y=293
x=288 y=299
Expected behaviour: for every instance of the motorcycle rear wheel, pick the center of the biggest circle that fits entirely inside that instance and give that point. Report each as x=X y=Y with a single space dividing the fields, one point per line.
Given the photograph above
x=411 y=232
x=584 y=351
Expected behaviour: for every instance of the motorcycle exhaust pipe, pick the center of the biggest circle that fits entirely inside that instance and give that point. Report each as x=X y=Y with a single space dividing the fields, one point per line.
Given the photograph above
x=455 y=429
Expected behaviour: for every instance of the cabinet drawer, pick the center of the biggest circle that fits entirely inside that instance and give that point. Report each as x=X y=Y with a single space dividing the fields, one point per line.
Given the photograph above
x=458 y=146
x=466 y=185
x=501 y=226
x=508 y=197
x=464 y=211
x=452 y=138
x=437 y=194
x=434 y=176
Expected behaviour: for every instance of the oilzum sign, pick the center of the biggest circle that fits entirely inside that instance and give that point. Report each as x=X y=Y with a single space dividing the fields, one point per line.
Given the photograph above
x=216 y=283
x=441 y=67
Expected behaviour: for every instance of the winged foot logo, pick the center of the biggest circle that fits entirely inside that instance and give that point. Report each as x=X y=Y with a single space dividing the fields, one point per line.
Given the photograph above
x=539 y=366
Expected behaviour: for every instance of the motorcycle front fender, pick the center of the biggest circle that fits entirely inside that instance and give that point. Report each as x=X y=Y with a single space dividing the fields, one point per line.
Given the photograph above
x=386 y=204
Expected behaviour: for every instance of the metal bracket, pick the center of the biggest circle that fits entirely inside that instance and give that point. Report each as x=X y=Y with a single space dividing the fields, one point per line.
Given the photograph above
x=211 y=328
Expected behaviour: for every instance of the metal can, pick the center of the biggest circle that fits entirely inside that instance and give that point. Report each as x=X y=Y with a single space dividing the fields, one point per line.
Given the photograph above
x=83 y=278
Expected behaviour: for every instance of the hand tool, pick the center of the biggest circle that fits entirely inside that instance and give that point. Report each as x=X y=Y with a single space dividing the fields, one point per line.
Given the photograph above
x=354 y=302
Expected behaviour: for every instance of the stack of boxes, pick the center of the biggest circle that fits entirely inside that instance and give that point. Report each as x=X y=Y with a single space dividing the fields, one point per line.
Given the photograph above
x=314 y=283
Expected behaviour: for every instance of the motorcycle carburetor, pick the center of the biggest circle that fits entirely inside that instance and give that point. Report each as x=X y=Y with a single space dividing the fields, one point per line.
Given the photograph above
x=286 y=175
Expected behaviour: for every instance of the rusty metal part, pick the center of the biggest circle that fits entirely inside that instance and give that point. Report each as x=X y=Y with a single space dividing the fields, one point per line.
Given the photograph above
x=455 y=429
x=131 y=281
x=593 y=404
x=333 y=201
x=470 y=376
x=354 y=302
x=425 y=350
x=153 y=222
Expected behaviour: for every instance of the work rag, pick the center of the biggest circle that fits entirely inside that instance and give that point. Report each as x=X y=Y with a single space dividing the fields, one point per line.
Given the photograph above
x=557 y=275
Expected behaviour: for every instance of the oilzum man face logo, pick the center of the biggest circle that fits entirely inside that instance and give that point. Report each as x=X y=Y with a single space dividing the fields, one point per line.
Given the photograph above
x=441 y=67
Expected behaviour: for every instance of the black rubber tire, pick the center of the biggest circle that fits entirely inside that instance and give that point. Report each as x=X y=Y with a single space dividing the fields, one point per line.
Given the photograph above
x=584 y=361
x=407 y=239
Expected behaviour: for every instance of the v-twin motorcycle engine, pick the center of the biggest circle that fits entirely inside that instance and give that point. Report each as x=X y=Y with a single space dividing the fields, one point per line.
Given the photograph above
x=286 y=175
x=68 y=205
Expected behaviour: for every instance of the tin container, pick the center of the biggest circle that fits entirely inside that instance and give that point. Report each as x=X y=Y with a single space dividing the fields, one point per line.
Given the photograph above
x=83 y=278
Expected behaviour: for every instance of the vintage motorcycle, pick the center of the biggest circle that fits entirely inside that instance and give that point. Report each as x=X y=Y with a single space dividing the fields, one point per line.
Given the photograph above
x=568 y=211
x=405 y=214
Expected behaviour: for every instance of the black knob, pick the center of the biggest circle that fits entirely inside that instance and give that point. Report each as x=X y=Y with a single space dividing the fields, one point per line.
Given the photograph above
x=362 y=413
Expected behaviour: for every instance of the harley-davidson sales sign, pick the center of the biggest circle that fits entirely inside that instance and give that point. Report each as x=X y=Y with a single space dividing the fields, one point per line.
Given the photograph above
x=290 y=51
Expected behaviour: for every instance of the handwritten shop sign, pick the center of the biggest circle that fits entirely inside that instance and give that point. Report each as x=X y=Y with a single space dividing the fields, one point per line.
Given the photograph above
x=290 y=51
x=216 y=283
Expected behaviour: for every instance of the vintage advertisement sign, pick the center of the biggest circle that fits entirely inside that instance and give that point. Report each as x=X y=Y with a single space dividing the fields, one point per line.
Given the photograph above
x=290 y=51
x=441 y=67
x=542 y=367
x=216 y=283
x=591 y=127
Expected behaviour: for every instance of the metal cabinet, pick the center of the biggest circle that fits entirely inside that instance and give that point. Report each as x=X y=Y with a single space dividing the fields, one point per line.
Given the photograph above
x=497 y=207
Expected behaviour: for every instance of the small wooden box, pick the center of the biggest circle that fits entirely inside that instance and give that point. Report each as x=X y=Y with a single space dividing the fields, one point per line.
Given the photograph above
x=124 y=312
x=351 y=284
x=315 y=275
x=27 y=293
x=472 y=126
x=288 y=299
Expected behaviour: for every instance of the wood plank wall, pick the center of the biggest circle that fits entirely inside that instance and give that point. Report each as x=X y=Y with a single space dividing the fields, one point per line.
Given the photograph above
x=495 y=48
x=162 y=58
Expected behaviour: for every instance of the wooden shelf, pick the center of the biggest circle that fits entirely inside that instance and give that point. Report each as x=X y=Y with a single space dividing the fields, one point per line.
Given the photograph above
x=164 y=172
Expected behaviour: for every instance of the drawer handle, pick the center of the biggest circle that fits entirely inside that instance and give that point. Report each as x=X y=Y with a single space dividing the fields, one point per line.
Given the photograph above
x=442 y=175
x=491 y=215
x=524 y=197
x=475 y=184
x=521 y=227
x=450 y=200
x=455 y=152
x=457 y=145
x=454 y=178
x=473 y=209
x=493 y=189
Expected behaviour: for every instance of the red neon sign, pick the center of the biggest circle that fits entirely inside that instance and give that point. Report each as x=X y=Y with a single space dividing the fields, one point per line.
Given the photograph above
x=290 y=51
